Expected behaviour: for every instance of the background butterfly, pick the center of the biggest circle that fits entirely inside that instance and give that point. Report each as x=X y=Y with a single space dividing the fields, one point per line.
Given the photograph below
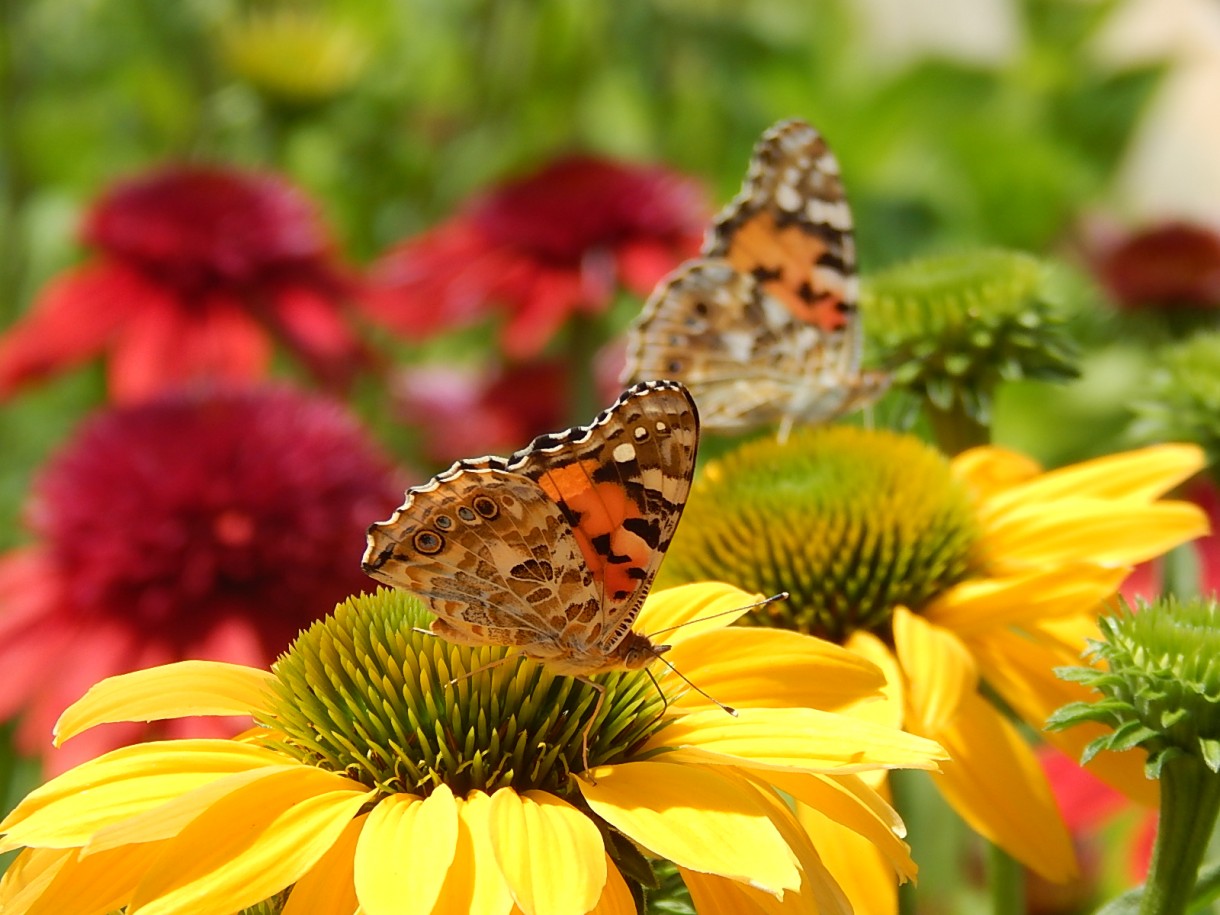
x=764 y=327
x=552 y=549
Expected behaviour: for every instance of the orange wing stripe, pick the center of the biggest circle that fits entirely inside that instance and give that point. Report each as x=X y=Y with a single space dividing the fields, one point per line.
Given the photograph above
x=793 y=252
x=602 y=508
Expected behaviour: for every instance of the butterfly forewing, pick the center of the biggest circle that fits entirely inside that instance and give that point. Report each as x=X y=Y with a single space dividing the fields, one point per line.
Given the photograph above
x=621 y=482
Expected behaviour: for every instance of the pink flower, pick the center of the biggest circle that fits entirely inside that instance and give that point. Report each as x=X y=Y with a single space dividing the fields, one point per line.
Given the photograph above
x=195 y=270
x=556 y=242
x=183 y=527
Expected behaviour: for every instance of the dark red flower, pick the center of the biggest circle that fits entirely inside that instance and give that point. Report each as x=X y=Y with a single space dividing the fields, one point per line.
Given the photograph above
x=558 y=241
x=184 y=527
x=1173 y=266
x=196 y=269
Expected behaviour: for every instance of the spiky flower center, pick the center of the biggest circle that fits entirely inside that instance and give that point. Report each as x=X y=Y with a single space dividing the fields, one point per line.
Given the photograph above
x=370 y=693
x=851 y=522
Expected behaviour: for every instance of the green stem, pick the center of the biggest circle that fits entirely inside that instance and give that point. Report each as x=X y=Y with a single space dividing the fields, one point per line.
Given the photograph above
x=903 y=800
x=955 y=430
x=1190 y=800
x=1007 y=883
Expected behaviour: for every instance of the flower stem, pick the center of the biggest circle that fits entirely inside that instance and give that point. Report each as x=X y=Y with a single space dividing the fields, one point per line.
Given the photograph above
x=1190 y=800
x=583 y=341
x=1007 y=880
x=955 y=430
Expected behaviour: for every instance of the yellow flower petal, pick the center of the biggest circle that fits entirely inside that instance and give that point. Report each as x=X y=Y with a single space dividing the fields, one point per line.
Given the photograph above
x=799 y=739
x=51 y=882
x=70 y=808
x=168 y=819
x=696 y=817
x=616 y=897
x=550 y=854
x=330 y=885
x=1132 y=476
x=714 y=895
x=674 y=615
x=245 y=847
x=849 y=802
x=988 y=470
x=169 y=691
x=938 y=669
x=799 y=670
x=1033 y=534
x=862 y=872
x=404 y=852
x=1021 y=671
x=890 y=708
x=474 y=882
x=993 y=603
x=817 y=883
x=994 y=782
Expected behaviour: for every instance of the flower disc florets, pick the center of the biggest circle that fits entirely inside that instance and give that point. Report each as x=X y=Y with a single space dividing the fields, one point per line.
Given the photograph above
x=1183 y=396
x=370 y=693
x=850 y=522
x=1160 y=685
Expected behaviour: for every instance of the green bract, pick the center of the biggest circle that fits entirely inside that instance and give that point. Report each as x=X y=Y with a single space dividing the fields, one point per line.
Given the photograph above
x=952 y=327
x=1159 y=686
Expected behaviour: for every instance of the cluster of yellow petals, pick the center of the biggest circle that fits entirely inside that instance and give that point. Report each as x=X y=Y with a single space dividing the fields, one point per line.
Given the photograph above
x=212 y=826
x=1054 y=549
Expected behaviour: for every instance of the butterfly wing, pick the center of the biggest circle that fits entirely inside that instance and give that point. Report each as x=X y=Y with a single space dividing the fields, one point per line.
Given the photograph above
x=764 y=326
x=494 y=557
x=553 y=548
x=621 y=482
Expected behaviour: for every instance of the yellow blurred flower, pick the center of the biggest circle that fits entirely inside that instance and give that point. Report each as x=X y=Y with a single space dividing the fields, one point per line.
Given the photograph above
x=960 y=578
x=396 y=772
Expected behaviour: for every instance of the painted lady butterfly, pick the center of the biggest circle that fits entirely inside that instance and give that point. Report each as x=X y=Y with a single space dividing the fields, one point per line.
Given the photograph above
x=764 y=325
x=552 y=549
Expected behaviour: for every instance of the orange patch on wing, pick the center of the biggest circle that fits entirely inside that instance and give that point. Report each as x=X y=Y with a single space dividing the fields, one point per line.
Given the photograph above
x=793 y=251
x=602 y=508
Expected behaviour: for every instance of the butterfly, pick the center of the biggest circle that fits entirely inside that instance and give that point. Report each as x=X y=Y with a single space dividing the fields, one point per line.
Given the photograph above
x=553 y=548
x=764 y=325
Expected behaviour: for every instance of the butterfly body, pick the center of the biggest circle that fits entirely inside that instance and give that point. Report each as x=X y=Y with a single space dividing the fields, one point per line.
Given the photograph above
x=551 y=550
x=764 y=326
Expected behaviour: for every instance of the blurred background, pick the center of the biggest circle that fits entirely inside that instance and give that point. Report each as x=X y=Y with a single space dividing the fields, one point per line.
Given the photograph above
x=430 y=137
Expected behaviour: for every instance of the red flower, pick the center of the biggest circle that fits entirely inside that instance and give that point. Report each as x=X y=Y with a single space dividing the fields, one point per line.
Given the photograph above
x=183 y=527
x=1175 y=265
x=463 y=413
x=195 y=269
x=543 y=247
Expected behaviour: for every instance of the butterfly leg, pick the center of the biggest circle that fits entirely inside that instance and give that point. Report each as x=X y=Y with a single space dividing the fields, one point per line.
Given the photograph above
x=785 y=428
x=584 y=734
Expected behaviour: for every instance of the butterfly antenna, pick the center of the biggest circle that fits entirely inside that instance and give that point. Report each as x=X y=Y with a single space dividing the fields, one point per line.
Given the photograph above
x=685 y=679
x=782 y=595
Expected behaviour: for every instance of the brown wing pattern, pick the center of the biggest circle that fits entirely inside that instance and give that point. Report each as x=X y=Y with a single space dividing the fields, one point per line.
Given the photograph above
x=553 y=548
x=764 y=326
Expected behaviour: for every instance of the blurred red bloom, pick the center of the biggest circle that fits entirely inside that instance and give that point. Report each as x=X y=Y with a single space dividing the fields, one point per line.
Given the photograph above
x=1087 y=803
x=182 y=527
x=463 y=413
x=1174 y=265
x=553 y=243
x=196 y=268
